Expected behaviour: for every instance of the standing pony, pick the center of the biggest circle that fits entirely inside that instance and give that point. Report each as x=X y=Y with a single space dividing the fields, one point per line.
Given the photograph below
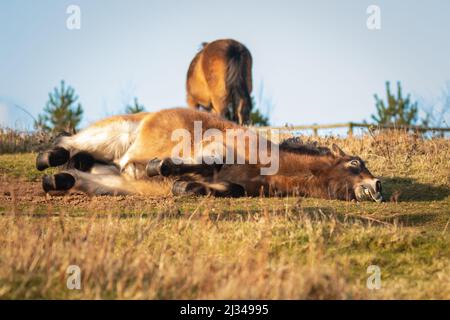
x=220 y=80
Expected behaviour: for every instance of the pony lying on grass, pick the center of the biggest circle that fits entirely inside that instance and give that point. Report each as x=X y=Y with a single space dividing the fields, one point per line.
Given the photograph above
x=122 y=154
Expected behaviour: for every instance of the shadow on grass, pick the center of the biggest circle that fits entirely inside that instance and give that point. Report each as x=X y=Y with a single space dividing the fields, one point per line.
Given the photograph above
x=313 y=214
x=325 y=214
x=408 y=190
x=412 y=219
x=404 y=219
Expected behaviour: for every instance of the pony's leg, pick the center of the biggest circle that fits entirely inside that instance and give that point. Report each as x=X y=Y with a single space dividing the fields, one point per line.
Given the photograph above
x=187 y=185
x=82 y=161
x=106 y=143
x=192 y=102
x=52 y=158
x=200 y=188
x=167 y=167
x=62 y=181
x=240 y=112
x=57 y=156
x=146 y=146
x=220 y=106
x=243 y=111
x=66 y=149
x=101 y=180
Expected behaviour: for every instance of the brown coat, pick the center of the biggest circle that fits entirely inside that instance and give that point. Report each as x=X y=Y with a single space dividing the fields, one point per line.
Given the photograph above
x=220 y=80
x=126 y=144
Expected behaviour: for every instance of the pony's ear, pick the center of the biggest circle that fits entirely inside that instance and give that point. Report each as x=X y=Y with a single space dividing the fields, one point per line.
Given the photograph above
x=337 y=152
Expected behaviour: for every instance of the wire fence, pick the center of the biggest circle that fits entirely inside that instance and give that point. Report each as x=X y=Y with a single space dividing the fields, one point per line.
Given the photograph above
x=351 y=126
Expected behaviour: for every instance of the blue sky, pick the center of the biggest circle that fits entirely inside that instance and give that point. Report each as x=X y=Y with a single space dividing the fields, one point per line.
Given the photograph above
x=317 y=60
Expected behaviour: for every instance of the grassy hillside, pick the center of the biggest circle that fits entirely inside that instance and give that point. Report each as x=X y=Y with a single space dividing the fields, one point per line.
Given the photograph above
x=292 y=248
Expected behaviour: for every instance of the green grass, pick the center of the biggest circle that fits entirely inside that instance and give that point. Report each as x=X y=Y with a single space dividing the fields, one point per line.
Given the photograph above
x=21 y=166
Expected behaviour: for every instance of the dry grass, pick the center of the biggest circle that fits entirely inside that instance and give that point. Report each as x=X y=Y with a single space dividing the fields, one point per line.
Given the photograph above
x=287 y=248
x=13 y=141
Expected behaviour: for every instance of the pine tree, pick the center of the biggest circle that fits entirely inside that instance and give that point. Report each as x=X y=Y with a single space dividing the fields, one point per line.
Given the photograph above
x=257 y=118
x=62 y=112
x=135 y=108
x=262 y=102
x=398 y=110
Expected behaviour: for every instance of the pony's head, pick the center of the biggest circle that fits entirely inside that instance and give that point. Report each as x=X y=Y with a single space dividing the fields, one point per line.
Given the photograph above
x=336 y=174
x=348 y=178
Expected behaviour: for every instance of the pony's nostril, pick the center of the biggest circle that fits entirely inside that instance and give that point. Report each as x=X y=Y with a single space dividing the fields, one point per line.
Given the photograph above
x=378 y=186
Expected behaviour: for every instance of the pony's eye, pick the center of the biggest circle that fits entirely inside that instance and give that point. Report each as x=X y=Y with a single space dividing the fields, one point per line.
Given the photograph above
x=354 y=163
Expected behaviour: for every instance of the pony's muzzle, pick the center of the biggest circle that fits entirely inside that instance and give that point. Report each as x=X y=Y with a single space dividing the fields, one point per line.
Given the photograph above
x=369 y=190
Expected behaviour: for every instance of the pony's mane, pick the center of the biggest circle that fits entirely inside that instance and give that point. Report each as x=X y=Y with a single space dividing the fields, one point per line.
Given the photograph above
x=296 y=145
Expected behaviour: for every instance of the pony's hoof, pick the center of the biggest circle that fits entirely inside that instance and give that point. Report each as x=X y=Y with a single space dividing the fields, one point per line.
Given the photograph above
x=183 y=188
x=82 y=161
x=58 y=182
x=152 y=168
x=52 y=158
x=236 y=191
x=158 y=167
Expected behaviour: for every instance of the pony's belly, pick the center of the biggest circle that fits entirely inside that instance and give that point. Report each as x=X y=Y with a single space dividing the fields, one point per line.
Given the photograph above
x=106 y=143
x=247 y=176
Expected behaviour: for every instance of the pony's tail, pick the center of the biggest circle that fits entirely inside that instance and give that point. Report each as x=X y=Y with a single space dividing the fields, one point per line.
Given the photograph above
x=239 y=98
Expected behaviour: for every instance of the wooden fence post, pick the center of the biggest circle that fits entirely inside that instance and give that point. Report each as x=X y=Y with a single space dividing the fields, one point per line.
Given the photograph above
x=350 y=129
